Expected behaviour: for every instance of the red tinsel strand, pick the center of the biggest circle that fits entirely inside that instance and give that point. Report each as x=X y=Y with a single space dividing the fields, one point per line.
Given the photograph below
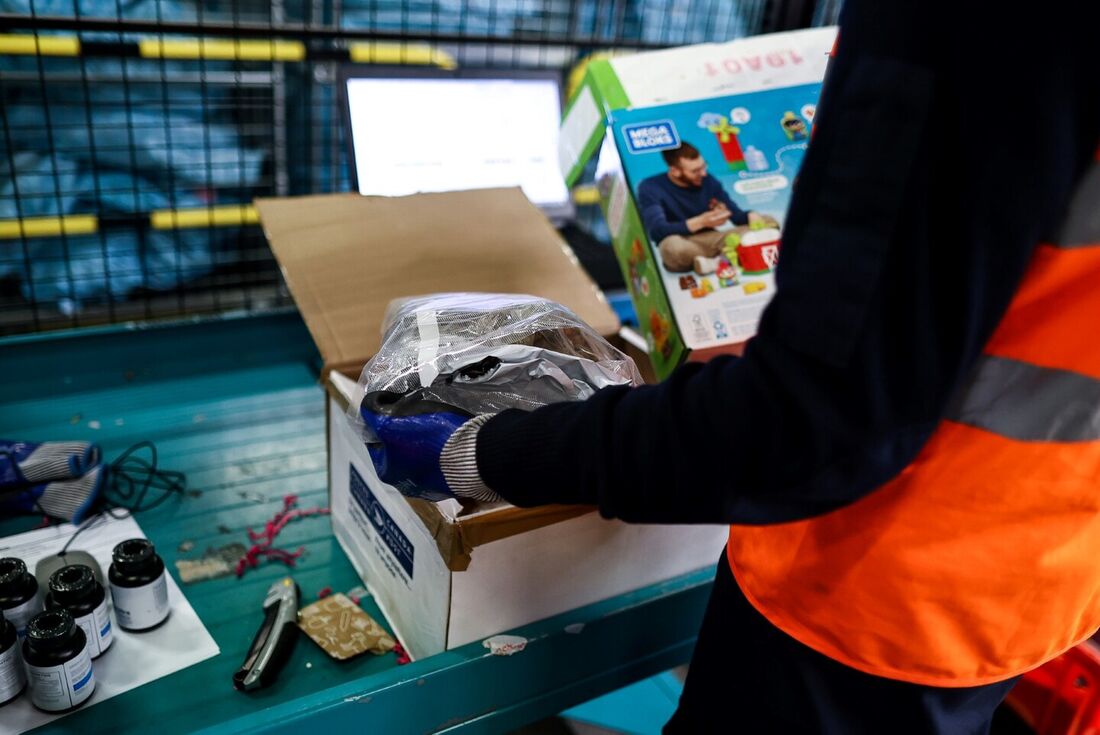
x=262 y=542
x=251 y=558
x=283 y=517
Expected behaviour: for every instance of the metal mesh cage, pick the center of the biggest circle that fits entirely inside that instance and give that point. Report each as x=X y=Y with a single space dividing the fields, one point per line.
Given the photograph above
x=136 y=133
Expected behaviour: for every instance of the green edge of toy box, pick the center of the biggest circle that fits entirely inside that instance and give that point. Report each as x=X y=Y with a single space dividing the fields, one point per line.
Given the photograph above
x=663 y=362
x=608 y=93
x=602 y=82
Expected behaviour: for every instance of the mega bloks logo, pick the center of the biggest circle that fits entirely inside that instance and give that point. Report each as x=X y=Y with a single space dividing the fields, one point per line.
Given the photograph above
x=659 y=135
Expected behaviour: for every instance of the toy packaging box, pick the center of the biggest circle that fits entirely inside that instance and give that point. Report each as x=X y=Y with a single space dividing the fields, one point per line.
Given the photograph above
x=698 y=151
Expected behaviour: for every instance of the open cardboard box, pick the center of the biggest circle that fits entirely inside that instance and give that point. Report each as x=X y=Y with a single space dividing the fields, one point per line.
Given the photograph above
x=445 y=574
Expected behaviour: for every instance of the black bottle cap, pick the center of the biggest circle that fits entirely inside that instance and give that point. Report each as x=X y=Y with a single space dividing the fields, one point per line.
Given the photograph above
x=134 y=554
x=72 y=583
x=50 y=630
x=12 y=571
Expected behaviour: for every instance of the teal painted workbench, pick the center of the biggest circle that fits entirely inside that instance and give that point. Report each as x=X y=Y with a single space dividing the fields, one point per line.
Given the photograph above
x=235 y=404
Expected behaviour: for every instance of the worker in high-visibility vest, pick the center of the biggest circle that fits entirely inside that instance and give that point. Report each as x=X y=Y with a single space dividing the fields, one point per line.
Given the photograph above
x=909 y=449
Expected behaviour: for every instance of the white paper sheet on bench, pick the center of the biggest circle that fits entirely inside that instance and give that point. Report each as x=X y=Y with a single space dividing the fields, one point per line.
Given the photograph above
x=133 y=658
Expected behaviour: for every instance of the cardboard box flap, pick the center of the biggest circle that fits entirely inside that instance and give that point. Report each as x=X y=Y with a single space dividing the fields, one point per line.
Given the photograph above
x=456 y=540
x=345 y=257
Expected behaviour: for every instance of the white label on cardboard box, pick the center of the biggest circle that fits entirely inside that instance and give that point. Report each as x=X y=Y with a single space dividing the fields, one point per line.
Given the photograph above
x=576 y=128
x=391 y=542
x=718 y=69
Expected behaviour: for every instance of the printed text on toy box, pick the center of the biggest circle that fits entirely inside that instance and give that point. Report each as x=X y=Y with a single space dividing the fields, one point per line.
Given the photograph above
x=659 y=135
x=753 y=63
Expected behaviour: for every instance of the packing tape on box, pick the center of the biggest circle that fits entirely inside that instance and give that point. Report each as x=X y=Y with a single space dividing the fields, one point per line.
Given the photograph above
x=428 y=327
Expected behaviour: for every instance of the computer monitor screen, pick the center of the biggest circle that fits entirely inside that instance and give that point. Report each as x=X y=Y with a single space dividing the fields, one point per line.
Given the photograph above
x=456 y=133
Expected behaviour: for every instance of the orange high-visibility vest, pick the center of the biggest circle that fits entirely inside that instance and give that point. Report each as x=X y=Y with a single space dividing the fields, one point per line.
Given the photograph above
x=981 y=560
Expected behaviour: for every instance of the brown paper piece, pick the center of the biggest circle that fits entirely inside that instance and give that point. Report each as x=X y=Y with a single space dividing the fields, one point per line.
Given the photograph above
x=219 y=562
x=343 y=629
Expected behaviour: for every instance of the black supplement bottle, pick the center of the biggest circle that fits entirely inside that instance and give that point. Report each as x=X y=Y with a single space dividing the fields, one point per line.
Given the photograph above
x=59 y=669
x=139 y=585
x=12 y=677
x=76 y=589
x=19 y=597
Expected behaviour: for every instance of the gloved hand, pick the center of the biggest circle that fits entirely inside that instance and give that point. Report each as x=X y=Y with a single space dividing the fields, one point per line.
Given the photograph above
x=58 y=479
x=28 y=463
x=411 y=432
x=69 y=500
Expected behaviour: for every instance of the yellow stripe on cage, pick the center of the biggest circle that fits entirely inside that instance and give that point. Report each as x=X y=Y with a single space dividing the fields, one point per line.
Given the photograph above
x=224 y=216
x=29 y=44
x=420 y=54
x=586 y=194
x=222 y=49
x=72 y=224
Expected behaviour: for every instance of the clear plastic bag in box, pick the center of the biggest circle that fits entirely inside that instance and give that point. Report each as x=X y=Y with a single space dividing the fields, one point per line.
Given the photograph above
x=489 y=352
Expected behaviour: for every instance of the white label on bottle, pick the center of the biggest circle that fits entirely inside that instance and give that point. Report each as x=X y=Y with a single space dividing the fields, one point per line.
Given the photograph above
x=20 y=615
x=12 y=677
x=138 y=608
x=55 y=688
x=97 y=628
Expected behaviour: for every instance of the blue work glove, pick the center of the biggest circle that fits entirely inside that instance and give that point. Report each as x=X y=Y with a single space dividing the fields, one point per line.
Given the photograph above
x=411 y=432
x=28 y=463
x=70 y=499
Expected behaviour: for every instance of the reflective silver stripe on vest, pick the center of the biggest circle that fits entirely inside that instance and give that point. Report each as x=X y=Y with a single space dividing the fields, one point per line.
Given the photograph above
x=1081 y=226
x=1026 y=402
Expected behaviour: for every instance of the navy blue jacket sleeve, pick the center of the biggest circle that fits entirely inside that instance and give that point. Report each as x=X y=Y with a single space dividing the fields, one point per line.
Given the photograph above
x=654 y=217
x=914 y=218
